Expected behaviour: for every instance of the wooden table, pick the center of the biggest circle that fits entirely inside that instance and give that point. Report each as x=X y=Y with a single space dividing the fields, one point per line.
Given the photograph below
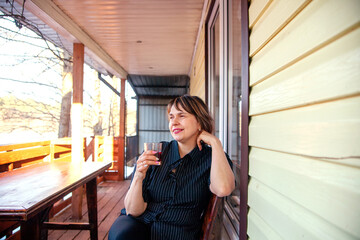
x=27 y=195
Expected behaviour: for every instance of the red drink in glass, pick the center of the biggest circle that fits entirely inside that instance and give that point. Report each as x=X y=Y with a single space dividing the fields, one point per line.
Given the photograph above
x=154 y=146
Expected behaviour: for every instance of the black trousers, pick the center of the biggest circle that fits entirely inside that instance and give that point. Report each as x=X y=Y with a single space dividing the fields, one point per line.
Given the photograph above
x=127 y=227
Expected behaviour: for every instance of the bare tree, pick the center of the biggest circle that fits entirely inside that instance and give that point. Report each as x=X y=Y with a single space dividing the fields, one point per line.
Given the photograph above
x=115 y=107
x=66 y=92
x=49 y=60
x=98 y=128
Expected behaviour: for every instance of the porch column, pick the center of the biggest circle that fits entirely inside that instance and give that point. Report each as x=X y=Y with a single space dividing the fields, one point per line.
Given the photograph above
x=77 y=146
x=77 y=143
x=121 y=149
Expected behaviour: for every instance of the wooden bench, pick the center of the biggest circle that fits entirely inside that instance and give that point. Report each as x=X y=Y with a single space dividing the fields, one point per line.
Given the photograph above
x=211 y=223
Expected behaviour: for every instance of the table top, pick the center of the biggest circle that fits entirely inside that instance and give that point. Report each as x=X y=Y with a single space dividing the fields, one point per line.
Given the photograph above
x=26 y=191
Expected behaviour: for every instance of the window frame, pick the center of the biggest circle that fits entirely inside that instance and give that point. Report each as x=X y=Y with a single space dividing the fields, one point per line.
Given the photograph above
x=225 y=92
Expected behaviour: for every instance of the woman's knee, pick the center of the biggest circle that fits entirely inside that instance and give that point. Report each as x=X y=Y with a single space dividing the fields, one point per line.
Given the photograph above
x=127 y=227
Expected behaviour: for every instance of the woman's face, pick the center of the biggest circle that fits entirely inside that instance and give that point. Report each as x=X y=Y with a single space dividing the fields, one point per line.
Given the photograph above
x=183 y=126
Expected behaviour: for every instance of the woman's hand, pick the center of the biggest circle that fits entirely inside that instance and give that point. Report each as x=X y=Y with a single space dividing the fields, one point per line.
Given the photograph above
x=207 y=138
x=145 y=160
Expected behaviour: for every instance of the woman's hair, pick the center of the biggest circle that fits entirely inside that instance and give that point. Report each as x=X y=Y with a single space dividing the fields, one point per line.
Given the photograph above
x=195 y=106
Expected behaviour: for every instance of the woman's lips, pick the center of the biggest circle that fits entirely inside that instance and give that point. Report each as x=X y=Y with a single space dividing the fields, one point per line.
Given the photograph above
x=177 y=130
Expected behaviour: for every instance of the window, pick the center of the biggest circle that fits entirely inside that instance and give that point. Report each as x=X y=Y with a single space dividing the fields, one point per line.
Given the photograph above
x=214 y=67
x=225 y=97
x=232 y=205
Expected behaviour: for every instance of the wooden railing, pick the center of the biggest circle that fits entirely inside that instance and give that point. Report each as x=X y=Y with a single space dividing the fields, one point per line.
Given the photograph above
x=96 y=148
x=19 y=155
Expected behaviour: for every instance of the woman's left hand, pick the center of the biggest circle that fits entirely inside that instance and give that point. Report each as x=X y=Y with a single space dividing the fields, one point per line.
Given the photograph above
x=207 y=138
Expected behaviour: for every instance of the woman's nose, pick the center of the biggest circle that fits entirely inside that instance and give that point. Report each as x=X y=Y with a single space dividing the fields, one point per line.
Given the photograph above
x=174 y=121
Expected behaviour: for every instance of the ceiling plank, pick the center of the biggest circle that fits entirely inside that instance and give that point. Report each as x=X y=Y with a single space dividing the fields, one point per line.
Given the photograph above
x=54 y=16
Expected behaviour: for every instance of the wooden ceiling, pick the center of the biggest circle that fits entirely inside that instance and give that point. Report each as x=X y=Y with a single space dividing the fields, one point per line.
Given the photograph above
x=143 y=37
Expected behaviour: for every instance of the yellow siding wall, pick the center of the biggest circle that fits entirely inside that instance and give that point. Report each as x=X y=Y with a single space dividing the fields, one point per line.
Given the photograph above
x=197 y=74
x=304 y=131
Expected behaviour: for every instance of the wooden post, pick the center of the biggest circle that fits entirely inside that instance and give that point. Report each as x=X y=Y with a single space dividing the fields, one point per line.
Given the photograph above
x=77 y=143
x=76 y=109
x=121 y=144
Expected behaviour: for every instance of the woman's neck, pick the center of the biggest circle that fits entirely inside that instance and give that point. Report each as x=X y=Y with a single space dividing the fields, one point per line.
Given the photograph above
x=185 y=148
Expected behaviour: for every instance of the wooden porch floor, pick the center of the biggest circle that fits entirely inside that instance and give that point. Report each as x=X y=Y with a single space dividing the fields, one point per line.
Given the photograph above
x=110 y=202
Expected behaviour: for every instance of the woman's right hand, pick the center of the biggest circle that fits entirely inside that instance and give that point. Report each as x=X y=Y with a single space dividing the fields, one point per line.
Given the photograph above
x=134 y=201
x=145 y=160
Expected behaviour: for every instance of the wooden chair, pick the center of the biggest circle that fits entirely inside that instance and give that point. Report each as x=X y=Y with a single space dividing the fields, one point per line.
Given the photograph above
x=210 y=230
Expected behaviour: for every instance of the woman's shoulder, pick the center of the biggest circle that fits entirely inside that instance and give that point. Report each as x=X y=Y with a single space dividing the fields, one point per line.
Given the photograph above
x=207 y=149
x=166 y=146
x=166 y=143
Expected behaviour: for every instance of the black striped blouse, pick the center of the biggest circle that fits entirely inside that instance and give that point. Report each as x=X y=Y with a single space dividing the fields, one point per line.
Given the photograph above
x=177 y=193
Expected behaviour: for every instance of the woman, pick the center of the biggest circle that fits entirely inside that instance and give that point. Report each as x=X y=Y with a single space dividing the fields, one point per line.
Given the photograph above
x=167 y=199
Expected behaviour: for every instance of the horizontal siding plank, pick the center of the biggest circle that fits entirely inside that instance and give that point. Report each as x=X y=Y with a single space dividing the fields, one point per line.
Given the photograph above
x=201 y=57
x=200 y=80
x=259 y=229
x=278 y=15
x=256 y=9
x=198 y=70
x=327 y=130
x=201 y=45
x=331 y=72
x=200 y=92
x=335 y=189
x=289 y=219
x=313 y=28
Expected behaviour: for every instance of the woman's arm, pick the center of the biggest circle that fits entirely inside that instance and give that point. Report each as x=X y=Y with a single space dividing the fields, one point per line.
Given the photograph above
x=222 y=180
x=134 y=201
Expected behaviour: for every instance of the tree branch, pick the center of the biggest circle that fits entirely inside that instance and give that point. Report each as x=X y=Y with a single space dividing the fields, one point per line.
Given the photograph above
x=22 y=81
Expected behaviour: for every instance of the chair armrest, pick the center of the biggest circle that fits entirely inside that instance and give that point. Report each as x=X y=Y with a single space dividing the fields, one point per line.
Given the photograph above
x=211 y=212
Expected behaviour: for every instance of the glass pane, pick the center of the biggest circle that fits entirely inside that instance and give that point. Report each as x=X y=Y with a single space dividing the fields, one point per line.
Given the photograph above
x=215 y=68
x=235 y=78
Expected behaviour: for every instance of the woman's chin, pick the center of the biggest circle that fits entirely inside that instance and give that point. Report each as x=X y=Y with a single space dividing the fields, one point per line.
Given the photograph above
x=177 y=138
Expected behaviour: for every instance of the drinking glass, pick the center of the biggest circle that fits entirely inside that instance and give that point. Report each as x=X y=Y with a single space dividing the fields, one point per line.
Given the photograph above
x=154 y=146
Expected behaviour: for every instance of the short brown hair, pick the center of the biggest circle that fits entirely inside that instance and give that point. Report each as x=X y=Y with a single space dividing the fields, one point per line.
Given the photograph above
x=195 y=106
